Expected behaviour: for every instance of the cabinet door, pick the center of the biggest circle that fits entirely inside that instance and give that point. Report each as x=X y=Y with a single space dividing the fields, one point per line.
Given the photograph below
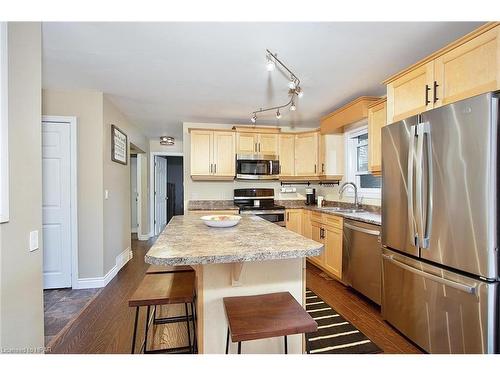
x=246 y=143
x=410 y=94
x=316 y=231
x=224 y=156
x=268 y=144
x=334 y=154
x=287 y=154
x=306 y=154
x=293 y=220
x=306 y=224
x=201 y=152
x=333 y=251
x=377 y=118
x=470 y=69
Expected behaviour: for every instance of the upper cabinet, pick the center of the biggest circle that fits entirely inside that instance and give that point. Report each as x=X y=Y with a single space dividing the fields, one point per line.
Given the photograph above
x=306 y=154
x=287 y=154
x=377 y=118
x=212 y=154
x=257 y=143
x=467 y=67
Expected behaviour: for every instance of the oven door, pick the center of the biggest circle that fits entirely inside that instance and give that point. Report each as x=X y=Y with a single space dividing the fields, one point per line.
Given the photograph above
x=276 y=217
x=249 y=169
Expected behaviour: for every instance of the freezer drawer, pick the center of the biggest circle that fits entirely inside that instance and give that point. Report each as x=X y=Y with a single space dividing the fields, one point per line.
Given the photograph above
x=442 y=312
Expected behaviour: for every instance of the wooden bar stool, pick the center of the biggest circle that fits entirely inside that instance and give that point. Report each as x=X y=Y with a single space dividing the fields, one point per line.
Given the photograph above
x=165 y=289
x=264 y=316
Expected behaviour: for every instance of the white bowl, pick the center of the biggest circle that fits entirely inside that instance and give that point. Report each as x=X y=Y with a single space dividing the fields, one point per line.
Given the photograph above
x=221 y=221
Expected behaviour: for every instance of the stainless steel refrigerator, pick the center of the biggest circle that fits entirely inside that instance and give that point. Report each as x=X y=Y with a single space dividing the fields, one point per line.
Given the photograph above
x=440 y=227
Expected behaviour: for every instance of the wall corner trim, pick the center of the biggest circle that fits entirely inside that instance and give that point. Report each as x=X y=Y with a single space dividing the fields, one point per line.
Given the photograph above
x=101 y=282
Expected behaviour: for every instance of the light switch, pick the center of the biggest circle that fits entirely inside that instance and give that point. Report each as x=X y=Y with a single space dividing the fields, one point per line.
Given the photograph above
x=33 y=240
x=106 y=194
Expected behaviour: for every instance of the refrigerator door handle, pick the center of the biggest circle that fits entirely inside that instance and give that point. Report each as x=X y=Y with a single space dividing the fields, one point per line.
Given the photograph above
x=411 y=163
x=419 y=185
x=471 y=289
x=430 y=182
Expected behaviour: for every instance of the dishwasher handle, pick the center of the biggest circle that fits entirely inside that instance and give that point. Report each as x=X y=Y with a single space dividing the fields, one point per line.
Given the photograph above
x=363 y=230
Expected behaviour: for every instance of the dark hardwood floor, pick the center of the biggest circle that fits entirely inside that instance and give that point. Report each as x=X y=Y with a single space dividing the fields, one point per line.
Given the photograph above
x=360 y=311
x=105 y=326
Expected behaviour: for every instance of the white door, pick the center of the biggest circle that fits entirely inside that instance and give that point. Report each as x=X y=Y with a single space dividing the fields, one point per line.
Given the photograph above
x=133 y=193
x=160 y=194
x=56 y=206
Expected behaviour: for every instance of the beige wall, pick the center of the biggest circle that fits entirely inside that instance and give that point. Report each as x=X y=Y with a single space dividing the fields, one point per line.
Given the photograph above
x=117 y=221
x=21 y=298
x=206 y=190
x=87 y=106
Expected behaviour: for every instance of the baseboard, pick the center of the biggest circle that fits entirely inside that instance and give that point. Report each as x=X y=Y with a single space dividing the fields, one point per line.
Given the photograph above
x=101 y=282
x=144 y=237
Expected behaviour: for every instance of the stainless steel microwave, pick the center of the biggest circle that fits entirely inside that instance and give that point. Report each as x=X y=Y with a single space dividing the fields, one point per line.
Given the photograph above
x=257 y=167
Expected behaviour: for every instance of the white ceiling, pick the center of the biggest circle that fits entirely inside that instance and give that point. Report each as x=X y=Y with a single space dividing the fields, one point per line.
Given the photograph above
x=161 y=74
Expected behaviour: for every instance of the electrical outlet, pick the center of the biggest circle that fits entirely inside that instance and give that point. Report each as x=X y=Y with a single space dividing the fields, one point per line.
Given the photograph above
x=33 y=240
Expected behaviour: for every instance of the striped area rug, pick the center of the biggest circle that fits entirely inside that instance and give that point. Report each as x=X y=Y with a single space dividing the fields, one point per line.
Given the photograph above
x=335 y=335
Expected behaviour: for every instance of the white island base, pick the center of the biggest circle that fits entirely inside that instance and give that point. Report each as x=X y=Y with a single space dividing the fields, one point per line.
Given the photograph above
x=216 y=281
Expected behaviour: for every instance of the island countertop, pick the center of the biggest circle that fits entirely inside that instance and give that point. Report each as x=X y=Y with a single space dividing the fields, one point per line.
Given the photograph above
x=186 y=240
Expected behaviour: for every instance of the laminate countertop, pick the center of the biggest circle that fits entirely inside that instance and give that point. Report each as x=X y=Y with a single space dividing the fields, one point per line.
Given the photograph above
x=186 y=240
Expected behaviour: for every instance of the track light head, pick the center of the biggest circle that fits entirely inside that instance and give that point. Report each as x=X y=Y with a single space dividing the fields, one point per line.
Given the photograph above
x=292 y=107
x=270 y=64
x=254 y=118
x=291 y=85
x=278 y=114
x=299 y=92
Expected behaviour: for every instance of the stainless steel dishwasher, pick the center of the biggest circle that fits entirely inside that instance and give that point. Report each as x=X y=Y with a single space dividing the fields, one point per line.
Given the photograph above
x=362 y=258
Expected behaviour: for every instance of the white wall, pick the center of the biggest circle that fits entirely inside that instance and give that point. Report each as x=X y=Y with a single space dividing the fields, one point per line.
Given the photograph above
x=21 y=298
x=223 y=190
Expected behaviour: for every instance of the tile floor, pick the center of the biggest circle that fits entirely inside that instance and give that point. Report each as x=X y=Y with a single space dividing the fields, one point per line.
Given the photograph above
x=61 y=306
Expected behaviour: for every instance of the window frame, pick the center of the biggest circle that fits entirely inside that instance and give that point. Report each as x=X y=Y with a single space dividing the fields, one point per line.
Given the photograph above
x=351 y=174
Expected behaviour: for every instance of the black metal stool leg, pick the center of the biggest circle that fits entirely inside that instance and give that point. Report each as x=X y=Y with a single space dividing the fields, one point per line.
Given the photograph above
x=146 y=329
x=195 y=338
x=308 y=348
x=135 y=329
x=239 y=347
x=286 y=345
x=227 y=341
x=188 y=328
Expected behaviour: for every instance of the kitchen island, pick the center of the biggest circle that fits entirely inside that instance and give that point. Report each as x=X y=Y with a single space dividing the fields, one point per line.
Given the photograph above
x=254 y=257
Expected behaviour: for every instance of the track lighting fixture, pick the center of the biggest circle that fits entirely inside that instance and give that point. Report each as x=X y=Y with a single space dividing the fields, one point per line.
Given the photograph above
x=293 y=85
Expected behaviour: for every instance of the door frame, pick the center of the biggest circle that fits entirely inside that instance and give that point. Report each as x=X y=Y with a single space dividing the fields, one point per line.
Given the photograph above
x=138 y=178
x=72 y=122
x=152 y=185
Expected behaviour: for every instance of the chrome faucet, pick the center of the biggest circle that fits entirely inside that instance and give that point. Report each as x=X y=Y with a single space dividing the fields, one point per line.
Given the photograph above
x=353 y=185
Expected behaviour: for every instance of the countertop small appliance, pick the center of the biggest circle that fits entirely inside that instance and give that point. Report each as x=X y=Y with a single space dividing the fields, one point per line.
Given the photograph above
x=310 y=196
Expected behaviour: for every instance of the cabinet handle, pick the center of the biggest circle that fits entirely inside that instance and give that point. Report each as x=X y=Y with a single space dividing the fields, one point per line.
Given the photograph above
x=435 y=91
x=255 y=146
x=288 y=216
x=215 y=168
x=427 y=89
x=259 y=146
x=314 y=168
x=321 y=233
x=322 y=167
x=210 y=168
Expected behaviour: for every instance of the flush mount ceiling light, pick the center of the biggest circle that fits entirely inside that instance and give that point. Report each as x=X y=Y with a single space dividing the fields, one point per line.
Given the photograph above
x=166 y=141
x=294 y=91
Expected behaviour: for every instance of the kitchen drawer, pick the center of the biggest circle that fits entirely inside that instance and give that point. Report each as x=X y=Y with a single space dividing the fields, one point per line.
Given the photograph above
x=334 y=221
x=316 y=216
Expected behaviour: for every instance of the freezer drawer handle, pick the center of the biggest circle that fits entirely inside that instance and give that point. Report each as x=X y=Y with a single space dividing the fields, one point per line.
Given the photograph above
x=452 y=284
x=363 y=230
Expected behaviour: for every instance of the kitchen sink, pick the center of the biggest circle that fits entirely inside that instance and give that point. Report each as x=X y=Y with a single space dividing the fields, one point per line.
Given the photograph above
x=343 y=210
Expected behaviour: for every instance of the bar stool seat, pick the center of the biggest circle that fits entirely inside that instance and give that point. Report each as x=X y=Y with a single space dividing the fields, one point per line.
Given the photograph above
x=165 y=289
x=264 y=316
x=168 y=269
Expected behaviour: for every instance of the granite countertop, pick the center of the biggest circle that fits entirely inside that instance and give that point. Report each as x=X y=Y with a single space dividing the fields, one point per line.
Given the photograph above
x=186 y=240
x=368 y=216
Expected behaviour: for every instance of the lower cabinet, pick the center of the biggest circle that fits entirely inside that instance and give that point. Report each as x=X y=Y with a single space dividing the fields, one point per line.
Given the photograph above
x=293 y=220
x=327 y=229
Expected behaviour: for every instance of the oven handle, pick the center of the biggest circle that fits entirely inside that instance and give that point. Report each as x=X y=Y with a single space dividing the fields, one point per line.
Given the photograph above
x=471 y=289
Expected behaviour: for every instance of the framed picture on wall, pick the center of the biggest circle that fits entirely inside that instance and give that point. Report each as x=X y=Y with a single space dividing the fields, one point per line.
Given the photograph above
x=4 y=141
x=119 y=145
